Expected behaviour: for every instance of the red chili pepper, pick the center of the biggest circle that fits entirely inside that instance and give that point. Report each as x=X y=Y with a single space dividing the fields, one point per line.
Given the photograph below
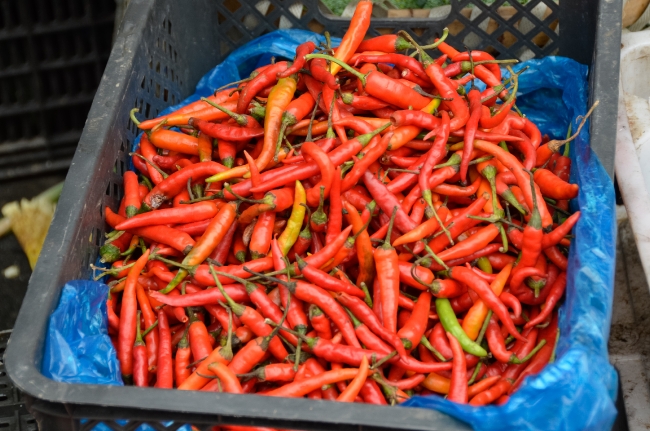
x=371 y=154
x=539 y=361
x=553 y=186
x=470 y=245
x=225 y=131
x=185 y=214
x=413 y=330
x=354 y=35
x=327 y=171
x=469 y=277
x=148 y=151
x=387 y=43
x=320 y=322
x=264 y=79
x=366 y=315
x=262 y=234
x=299 y=61
x=182 y=359
x=140 y=368
x=474 y=98
x=131 y=194
x=164 y=374
x=128 y=314
x=458 y=384
x=205 y=148
x=318 y=69
x=177 y=182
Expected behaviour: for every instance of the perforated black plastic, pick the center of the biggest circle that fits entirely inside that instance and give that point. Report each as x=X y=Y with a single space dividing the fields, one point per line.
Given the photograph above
x=13 y=413
x=162 y=50
x=52 y=56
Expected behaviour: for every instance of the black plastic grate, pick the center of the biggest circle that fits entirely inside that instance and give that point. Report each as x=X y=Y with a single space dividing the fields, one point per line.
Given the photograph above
x=505 y=29
x=13 y=414
x=52 y=57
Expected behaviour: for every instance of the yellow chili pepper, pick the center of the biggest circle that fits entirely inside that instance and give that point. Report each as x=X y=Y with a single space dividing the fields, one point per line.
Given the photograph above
x=476 y=315
x=290 y=234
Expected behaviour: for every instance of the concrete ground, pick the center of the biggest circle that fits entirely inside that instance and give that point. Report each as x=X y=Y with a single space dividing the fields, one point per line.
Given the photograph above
x=629 y=342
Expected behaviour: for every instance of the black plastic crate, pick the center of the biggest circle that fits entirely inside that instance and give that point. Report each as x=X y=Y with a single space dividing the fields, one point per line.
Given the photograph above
x=162 y=50
x=52 y=56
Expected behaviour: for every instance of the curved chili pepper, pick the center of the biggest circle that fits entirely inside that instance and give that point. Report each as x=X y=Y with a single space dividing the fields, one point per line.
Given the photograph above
x=225 y=131
x=290 y=173
x=214 y=233
x=413 y=330
x=468 y=246
x=458 y=383
x=177 y=182
x=264 y=79
x=366 y=315
x=320 y=72
x=175 y=141
x=326 y=281
x=299 y=61
x=179 y=116
x=388 y=202
x=353 y=389
x=553 y=186
x=326 y=170
x=184 y=214
x=450 y=323
x=486 y=294
x=476 y=315
x=557 y=290
x=372 y=153
x=397 y=59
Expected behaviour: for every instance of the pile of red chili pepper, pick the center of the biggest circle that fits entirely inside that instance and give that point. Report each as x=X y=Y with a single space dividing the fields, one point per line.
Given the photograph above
x=359 y=225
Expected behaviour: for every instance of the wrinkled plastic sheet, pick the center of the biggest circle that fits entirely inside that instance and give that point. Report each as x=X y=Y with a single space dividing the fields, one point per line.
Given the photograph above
x=576 y=392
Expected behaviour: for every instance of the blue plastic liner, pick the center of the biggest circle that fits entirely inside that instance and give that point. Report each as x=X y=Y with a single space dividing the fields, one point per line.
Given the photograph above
x=576 y=392
x=78 y=348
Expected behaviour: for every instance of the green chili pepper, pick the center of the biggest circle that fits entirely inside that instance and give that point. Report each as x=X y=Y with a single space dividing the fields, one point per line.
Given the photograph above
x=450 y=323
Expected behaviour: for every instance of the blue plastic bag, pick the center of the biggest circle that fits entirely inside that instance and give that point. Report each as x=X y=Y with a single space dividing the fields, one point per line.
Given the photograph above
x=576 y=392
x=77 y=347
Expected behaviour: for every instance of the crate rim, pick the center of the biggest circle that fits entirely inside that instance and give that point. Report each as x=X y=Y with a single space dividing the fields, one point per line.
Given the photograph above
x=72 y=400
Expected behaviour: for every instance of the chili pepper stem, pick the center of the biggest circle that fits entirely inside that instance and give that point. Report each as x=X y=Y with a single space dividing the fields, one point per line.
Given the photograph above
x=425 y=342
x=152 y=164
x=555 y=144
x=475 y=373
x=484 y=327
x=146 y=331
x=344 y=65
x=236 y=308
x=532 y=353
x=239 y=119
